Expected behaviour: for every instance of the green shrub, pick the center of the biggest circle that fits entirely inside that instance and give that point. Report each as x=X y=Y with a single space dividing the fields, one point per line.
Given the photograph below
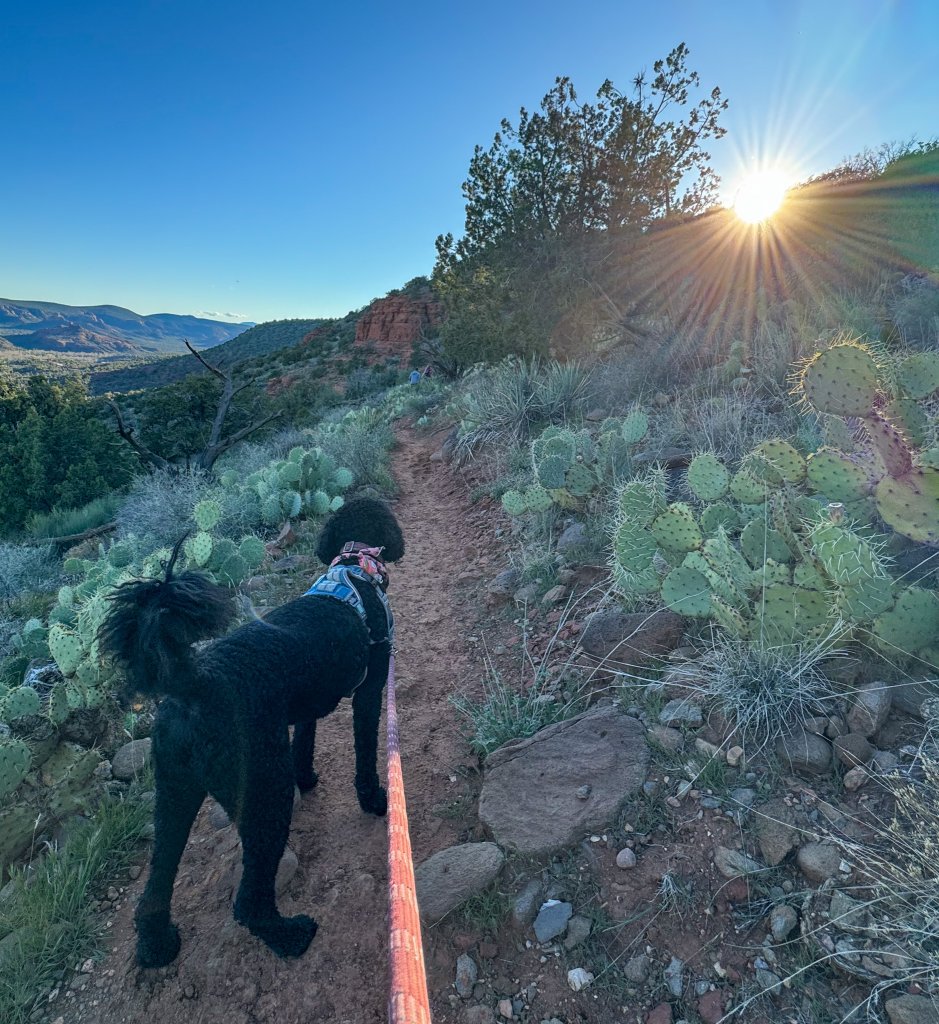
x=65 y=522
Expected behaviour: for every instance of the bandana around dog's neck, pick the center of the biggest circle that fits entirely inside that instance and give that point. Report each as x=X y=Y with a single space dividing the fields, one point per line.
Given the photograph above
x=368 y=559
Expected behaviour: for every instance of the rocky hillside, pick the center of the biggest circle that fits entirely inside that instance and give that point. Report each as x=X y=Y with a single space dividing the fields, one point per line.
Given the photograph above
x=106 y=329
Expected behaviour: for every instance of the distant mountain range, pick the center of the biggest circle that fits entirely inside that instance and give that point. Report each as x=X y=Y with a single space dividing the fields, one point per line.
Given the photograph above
x=106 y=330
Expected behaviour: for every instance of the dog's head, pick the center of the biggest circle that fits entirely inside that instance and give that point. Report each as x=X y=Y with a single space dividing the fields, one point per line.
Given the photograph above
x=366 y=520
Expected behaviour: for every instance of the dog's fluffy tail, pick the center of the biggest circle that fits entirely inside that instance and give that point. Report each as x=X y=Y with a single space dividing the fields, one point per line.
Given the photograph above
x=152 y=625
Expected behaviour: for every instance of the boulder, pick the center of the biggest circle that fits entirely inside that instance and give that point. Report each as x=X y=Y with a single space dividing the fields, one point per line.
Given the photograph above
x=804 y=752
x=774 y=825
x=450 y=877
x=818 y=862
x=909 y=1009
x=631 y=638
x=130 y=759
x=853 y=750
x=870 y=708
x=530 y=795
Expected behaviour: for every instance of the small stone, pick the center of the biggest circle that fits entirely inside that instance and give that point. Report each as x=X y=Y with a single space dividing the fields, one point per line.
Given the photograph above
x=466 y=975
x=804 y=752
x=552 y=920
x=218 y=817
x=674 y=976
x=853 y=749
x=637 y=969
x=134 y=872
x=189 y=992
x=782 y=920
x=583 y=792
x=734 y=864
x=818 y=862
x=670 y=740
x=870 y=708
x=478 y=1015
x=661 y=1014
x=578 y=979
x=681 y=711
x=854 y=779
x=734 y=756
x=709 y=750
x=711 y=1007
x=556 y=595
x=130 y=759
x=578 y=929
x=767 y=981
x=885 y=761
x=626 y=858
x=506 y=1009
x=527 y=902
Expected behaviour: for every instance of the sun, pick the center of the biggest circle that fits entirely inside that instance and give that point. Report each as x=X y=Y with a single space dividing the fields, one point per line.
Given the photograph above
x=759 y=196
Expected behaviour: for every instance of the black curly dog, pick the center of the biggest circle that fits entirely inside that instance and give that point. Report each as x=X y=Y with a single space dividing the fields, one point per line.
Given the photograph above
x=223 y=725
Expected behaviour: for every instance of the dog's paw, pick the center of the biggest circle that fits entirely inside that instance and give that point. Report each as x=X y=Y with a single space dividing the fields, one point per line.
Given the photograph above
x=157 y=948
x=373 y=800
x=307 y=780
x=286 y=936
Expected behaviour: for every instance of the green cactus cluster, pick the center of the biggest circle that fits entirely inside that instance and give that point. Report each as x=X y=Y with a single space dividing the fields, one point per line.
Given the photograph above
x=307 y=481
x=895 y=476
x=778 y=568
x=570 y=466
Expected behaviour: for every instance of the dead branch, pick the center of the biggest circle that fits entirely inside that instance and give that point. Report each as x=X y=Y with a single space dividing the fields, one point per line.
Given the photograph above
x=147 y=457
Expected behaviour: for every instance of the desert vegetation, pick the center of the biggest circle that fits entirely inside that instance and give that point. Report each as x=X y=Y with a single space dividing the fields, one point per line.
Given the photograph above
x=708 y=459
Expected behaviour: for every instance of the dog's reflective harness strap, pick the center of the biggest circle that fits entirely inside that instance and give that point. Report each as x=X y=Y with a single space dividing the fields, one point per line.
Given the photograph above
x=407 y=1002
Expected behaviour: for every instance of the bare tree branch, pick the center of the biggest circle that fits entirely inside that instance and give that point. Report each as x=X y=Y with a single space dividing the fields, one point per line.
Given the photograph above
x=147 y=457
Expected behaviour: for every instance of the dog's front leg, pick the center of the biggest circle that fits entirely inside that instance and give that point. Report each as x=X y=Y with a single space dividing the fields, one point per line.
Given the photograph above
x=366 y=714
x=302 y=750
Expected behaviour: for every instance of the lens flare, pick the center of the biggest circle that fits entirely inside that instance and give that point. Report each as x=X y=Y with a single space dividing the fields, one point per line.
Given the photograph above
x=759 y=196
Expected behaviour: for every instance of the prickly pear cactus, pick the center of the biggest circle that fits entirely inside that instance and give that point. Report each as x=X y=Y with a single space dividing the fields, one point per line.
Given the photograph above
x=207 y=514
x=15 y=759
x=20 y=702
x=199 y=548
x=708 y=477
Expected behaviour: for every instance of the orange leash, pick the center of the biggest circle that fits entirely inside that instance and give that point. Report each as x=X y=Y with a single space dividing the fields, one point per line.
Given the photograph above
x=407 y=1001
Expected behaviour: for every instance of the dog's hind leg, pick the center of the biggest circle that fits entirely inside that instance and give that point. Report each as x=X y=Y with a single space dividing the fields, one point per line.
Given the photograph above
x=366 y=714
x=302 y=750
x=264 y=824
x=178 y=800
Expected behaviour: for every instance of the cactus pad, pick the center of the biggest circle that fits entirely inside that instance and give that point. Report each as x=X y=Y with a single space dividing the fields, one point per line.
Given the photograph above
x=783 y=458
x=15 y=759
x=759 y=541
x=640 y=501
x=707 y=477
x=634 y=547
x=207 y=514
x=838 y=476
x=720 y=515
x=319 y=503
x=580 y=480
x=687 y=592
x=199 y=548
x=514 y=503
x=676 y=529
x=747 y=488
x=550 y=471
x=66 y=647
x=20 y=702
x=252 y=550
x=911 y=624
x=918 y=376
x=911 y=505
x=842 y=380
x=343 y=478
x=635 y=426
x=537 y=499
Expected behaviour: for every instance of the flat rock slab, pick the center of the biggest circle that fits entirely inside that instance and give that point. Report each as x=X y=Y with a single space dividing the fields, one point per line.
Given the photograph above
x=530 y=795
x=631 y=638
x=450 y=877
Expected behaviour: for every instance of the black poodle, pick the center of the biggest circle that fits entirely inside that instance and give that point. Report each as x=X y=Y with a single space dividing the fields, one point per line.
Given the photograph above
x=223 y=725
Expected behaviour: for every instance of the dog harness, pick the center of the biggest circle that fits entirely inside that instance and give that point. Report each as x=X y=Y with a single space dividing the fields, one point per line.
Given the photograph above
x=357 y=562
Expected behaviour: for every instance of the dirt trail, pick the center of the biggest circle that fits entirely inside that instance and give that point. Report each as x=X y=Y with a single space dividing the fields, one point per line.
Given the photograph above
x=225 y=976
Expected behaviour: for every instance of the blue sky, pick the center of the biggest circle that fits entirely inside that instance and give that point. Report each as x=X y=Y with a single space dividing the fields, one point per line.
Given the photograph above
x=287 y=159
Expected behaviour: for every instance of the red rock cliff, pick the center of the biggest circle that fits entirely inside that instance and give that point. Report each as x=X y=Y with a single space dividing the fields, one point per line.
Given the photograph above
x=393 y=324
